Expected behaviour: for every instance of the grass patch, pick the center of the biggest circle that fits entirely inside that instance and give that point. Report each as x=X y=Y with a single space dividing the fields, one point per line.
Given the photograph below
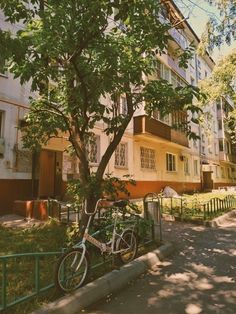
x=50 y=237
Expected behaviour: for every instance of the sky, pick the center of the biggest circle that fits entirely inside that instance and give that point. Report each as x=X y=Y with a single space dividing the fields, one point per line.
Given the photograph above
x=198 y=12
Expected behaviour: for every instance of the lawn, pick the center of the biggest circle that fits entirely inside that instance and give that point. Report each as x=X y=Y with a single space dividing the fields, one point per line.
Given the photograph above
x=20 y=271
x=52 y=236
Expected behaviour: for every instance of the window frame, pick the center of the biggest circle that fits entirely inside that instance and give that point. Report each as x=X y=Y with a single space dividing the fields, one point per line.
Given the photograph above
x=97 y=143
x=149 y=159
x=196 y=167
x=117 y=152
x=170 y=163
x=186 y=166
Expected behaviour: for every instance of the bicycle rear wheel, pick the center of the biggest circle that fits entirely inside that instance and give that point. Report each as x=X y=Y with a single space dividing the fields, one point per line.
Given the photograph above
x=128 y=244
x=72 y=270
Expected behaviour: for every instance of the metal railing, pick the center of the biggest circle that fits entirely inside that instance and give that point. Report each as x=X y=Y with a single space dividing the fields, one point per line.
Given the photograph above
x=23 y=277
x=63 y=211
x=11 y=272
x=182 y=208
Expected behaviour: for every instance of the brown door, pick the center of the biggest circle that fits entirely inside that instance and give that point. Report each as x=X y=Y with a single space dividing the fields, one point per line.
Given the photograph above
x=207 y=181
x=50 y=175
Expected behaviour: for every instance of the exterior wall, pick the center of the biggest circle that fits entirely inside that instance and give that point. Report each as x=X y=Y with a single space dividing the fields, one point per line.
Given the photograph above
x=15 y=164
x=11 y=190
x=144 y=187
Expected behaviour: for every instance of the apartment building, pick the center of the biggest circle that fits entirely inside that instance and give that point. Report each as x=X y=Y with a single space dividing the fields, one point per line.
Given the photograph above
x=154 y=152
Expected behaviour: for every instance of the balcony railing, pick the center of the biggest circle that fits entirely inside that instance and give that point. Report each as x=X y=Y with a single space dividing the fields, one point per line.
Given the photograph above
x=145 y=125
x=179 y=38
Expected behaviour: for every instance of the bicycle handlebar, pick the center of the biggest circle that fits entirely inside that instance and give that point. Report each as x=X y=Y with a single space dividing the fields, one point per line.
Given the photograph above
x=120 y=204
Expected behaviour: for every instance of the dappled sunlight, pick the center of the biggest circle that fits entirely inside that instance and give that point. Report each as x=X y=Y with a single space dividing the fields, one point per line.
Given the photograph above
x=203 y=284
x=202 y=268
x=193 y=309
x=219 y=251
x=221 y=279
x=181 y=277
x=232 y=252
x=165 y=293
x=198 y=279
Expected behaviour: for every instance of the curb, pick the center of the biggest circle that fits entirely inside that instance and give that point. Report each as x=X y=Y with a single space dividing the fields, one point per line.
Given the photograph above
x=217 y=222
x=109 y=283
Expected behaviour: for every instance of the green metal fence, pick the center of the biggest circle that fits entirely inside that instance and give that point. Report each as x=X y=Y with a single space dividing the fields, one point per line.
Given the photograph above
x=21 y=276
x=182 y=208
x=24 y=276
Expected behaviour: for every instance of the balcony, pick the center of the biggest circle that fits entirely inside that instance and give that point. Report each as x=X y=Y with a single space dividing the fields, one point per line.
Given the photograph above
x=174 y=65
x=178 y=37
x=223 y=156
x=146 y=125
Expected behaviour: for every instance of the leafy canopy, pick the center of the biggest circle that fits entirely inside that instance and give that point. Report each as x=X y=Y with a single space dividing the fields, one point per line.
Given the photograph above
x=75 y=54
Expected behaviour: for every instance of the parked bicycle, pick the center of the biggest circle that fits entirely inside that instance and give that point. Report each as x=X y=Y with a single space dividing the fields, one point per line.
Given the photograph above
x=73 y=266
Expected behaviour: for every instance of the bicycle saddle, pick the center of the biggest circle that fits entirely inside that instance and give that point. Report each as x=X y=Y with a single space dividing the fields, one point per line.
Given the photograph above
x=121 y=203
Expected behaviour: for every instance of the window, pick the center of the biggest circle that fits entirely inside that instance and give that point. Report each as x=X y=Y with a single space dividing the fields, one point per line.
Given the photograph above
x=206 y=74
x=221 y=145
x=148 y=158
x=121 y=155
x=220 y=124
x=186 y=165
x=222 y=172
x=192 y=81
x=1 y=134
x=203 y=138
x=227 y=147
x=203 y=150
x=218 y=105
x=195 y=144
x=1 y=123
x=2 y=67
x=94 y=150
x=199 y=74
x=123 y=105
x=195 y=167
x=199 y=64
x=176 y=80
x=165 y=73
x=170 y=162
x=159 y=67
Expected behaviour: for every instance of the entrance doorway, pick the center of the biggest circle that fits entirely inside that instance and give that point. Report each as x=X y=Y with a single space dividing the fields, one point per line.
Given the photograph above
x=207 y=181
x=50 y=174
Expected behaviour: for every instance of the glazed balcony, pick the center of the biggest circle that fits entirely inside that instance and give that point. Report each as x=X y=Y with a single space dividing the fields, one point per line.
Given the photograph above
x=143 y=125
x=223 y=156
x=174 y=66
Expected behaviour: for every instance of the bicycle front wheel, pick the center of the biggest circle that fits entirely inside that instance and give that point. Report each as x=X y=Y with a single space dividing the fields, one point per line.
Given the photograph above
x=128 y=245
x=72 y=270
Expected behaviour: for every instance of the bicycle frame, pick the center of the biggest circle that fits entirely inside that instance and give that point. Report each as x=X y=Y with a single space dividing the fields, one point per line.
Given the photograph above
x=101 y=245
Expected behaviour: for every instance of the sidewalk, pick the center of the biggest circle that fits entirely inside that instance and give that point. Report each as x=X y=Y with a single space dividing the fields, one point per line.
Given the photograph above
x=199 y=278
x=16 y=221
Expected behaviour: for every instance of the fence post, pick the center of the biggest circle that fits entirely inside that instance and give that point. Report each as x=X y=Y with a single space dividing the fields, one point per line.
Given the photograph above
x=204 y=211
x=37 y=273
x=181 y=208
x=152 y=211
x=4 y=284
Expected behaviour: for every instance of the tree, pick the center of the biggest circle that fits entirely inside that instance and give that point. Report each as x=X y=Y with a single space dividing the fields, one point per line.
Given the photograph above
x=222 y=84
x=222 y=81
x=76 y=53
x=220 y=27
